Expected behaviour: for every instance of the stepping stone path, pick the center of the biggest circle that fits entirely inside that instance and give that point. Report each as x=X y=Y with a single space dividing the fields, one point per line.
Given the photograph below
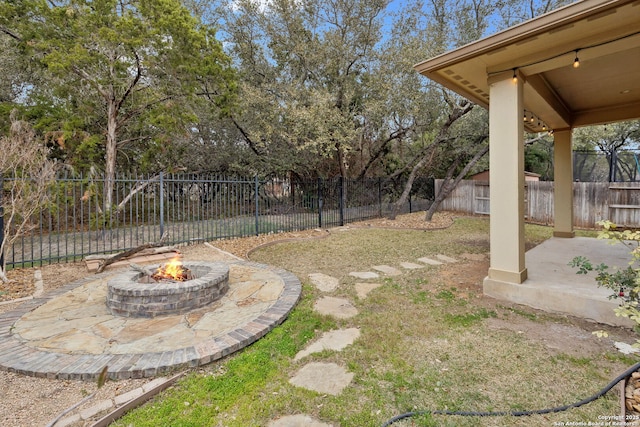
x=330 y=378
x=324 y=282
x=430 y=261
x=364 y=274
x=332 y=340
x=446 y=258
x=388 y=270
x=363 y=289
x=297 y=421
x=336 y=307
x=322 y=377
x=411 y=265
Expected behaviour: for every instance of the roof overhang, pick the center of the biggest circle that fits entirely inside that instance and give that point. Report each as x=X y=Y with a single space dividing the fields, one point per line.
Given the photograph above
x=604 y=34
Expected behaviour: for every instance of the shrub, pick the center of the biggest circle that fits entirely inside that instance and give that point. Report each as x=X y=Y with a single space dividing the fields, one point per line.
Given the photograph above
x=625 y=283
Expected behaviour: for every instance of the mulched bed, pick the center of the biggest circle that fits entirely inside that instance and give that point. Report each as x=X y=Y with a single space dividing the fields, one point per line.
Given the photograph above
x=21 y=284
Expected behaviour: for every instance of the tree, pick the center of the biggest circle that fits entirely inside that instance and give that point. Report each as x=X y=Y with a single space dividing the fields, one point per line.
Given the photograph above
x=442 y=131
x=457 y=139
x=27 y=177
x=308 y=74
x=538 y=155
x=130 y=68
x=610 y=140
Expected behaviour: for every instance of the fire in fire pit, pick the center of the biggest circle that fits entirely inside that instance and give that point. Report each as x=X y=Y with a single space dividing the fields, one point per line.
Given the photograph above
x=173 y=270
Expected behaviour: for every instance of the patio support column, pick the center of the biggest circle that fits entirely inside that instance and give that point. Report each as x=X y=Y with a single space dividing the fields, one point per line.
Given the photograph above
x=506 y=180
x=562 y=184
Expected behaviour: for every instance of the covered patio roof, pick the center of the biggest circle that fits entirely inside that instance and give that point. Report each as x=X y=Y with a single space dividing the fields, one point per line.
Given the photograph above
x=530 y=70
x=603 y=34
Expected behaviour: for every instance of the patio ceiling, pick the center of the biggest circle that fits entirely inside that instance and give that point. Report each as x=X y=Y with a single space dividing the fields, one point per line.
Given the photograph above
x=603 y=34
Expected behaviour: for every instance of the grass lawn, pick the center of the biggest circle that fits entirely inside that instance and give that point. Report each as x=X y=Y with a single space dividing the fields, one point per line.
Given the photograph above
x=426 y=343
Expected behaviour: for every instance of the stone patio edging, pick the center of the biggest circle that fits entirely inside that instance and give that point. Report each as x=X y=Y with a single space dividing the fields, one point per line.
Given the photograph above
x=16 y=356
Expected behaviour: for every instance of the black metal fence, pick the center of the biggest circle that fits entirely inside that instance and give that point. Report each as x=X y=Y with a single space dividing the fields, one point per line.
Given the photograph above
x=195 y=208
x=598 y=166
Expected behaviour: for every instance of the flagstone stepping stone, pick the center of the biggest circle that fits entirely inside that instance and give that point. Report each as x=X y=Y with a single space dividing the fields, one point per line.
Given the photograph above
x=411 y=265
x=363 y=289
x=474 y=257
x=336 y=307
x=388 y=270
x=322 y=377
x=429 y=261
x=299 y=420
x=324 y=282
x=332 y=340
x=446 y=258
x=364 y=274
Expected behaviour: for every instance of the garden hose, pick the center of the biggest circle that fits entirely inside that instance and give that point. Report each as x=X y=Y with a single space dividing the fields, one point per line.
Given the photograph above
x=590 y=399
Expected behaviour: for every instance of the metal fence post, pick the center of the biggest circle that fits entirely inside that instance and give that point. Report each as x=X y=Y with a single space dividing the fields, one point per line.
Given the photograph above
x=161 y=184
x=410 y=211
x=613 y=164
x=341 y=201
x=1 y=222
x=256 y=197
x=320 y=202
x=380 y=197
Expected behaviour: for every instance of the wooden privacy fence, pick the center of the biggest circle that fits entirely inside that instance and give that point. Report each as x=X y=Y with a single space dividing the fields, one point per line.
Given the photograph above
x=592 y=201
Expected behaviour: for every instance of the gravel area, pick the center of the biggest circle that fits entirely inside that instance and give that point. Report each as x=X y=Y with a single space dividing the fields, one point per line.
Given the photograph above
x=29 y=401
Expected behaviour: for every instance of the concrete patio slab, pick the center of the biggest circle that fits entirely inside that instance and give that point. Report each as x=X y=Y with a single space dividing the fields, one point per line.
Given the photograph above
x=555 y=287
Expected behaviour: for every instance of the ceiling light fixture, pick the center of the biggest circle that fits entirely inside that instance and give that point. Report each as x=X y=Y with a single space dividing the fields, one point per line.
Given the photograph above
x=576 y=62
x=515 y=77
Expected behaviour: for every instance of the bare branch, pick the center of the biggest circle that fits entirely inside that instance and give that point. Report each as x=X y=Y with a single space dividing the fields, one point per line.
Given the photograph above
x=27 y=175
x=133 y=83
x=10 y=33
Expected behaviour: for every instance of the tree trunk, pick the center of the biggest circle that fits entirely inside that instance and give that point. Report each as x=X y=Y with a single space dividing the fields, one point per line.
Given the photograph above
x=3 y=276
x=111 y=145
x=343 y=173
x=448 y=186
x=457 y=111
x=409 y=184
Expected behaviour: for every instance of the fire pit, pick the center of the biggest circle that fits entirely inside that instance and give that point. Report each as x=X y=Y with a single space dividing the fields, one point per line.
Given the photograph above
x=195 y=285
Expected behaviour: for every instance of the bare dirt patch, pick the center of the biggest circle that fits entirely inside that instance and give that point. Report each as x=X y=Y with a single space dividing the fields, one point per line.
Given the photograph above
x=573 y=336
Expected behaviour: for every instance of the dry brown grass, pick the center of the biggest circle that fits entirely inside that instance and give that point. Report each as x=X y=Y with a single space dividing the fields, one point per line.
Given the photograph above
x=429 y=339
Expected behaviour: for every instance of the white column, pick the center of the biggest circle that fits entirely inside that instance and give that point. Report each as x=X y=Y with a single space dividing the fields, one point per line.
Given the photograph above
x=506 y=163
x=562 y=184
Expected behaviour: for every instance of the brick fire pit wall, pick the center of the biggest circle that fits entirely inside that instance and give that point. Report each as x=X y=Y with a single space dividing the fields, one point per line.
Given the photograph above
x=127 y=297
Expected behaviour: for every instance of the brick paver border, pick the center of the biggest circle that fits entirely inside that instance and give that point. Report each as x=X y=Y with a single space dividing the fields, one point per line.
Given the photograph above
x=16 y=356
